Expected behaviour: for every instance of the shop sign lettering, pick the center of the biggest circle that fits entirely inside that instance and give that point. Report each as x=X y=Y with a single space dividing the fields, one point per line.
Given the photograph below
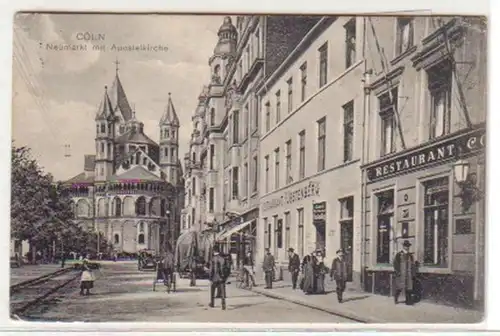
x=470 y=142
x=310 y=190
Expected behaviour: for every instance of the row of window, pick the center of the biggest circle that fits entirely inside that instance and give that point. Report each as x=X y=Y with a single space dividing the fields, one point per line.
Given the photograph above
x=435 y=226
x=348 y=141
x=439 y=84
x=284 y=239
x=350 y=58
x=167 y=133
x=156 y=207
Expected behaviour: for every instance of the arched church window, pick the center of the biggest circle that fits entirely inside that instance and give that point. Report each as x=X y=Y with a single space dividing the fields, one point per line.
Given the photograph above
x=102 y=148
x=194 y=157
x=118 y=207
x=109 y=128
x=167 y=133
x=140 y=207
x=141 y=227
x=117 y=238
x=173 y=134
x=165 y=152
x=141 y=238
x=172 y=153
x=103 y=128
x=97 y=129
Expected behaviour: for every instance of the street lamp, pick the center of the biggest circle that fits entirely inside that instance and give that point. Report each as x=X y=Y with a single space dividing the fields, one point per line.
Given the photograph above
x=461 y=170
x=467 y=182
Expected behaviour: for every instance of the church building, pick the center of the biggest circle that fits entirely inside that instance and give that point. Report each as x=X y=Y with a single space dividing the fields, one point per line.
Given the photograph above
x=131 y=189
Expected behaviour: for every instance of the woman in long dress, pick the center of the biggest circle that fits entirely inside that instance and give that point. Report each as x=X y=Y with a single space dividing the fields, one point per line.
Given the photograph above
x=321 y=271
x=309 y=274
x=87 y=278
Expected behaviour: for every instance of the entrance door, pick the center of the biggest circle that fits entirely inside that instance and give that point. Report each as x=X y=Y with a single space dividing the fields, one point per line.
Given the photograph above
x=320 y=235
x=346 y=242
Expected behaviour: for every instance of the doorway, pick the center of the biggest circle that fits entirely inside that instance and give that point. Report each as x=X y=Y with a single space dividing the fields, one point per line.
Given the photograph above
x=346 y=242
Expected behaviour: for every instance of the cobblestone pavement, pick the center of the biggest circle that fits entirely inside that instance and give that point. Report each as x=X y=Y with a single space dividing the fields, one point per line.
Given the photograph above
x=122 y=293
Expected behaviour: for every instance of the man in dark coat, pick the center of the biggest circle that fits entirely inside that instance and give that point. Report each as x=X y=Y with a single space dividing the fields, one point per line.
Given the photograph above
x=404 y=273
x=293 y=266
x=217 y=278
x=339 y=273
x=268 y=268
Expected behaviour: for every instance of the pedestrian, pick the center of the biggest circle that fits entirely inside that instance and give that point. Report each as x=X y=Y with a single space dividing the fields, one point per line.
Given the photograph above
x=338 y=273
x=293 y=266
x=87 y=278
x=268 y=268
x=321 y=272
x=309 y=265
x=217 y=278
x=404 y=273
x=248 y=268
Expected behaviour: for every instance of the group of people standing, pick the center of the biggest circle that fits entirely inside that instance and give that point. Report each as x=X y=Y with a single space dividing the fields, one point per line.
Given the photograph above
x=314 y=272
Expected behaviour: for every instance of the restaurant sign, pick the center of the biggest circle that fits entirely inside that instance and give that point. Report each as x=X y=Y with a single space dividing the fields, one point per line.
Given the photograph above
x=465 y=144
x=289 y=197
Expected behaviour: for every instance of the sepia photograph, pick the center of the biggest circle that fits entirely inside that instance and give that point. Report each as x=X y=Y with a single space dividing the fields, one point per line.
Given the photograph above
x=248 y=168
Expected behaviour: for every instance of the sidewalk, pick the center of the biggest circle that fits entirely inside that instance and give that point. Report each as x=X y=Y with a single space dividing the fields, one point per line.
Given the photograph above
x=370 y=308
x=28 y=272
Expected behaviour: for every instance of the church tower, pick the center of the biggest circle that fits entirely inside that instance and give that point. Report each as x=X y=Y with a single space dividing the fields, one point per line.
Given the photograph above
x=105 y=134
x=169 y=143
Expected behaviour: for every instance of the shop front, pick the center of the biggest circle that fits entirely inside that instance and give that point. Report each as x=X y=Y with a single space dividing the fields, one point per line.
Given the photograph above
x=317 y=213
x=432 y=196
x=237 y=236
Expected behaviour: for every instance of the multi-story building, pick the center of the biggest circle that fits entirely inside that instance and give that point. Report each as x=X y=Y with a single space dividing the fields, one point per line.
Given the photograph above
x=222 y=166
x=311 y=145
x=131 y=189
x=424 y=169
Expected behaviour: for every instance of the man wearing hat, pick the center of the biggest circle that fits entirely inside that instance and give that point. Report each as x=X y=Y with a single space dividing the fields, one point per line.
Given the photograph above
x=217 y=278
x=293 y=266
x=339 y=273
x=404 y=273
x=268 y=268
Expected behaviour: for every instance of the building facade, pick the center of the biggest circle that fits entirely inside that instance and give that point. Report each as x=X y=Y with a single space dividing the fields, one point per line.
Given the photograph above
x=310 y=146
x=222 y=166
x=423 y=169
x=131 y=189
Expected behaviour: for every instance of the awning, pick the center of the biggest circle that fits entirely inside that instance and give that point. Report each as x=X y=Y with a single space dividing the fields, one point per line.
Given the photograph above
x=234 y=229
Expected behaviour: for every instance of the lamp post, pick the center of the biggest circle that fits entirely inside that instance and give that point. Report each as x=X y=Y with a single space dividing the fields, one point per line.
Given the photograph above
x=461 y=171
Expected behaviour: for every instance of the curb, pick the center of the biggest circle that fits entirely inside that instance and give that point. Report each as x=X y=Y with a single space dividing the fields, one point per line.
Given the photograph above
x=338 y=312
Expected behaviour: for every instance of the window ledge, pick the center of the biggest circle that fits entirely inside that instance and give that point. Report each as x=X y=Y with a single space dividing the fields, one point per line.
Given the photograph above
x=408 y=51
x=254 y=194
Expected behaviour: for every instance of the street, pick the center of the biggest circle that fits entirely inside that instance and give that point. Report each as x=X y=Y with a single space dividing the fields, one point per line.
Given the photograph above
x=122 y=293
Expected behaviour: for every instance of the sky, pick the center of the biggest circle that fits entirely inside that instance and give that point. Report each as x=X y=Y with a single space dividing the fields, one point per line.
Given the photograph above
x=56 y=93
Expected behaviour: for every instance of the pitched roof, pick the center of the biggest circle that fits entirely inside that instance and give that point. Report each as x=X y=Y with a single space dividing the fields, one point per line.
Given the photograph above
x=136 y=173
x=105 y=110
x=135 y=136
x=119 y=98
x=169 y=116
x=80 y=178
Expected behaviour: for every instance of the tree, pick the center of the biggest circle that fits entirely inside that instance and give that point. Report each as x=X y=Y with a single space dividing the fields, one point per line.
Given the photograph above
x=29 y=195
x=40 y=209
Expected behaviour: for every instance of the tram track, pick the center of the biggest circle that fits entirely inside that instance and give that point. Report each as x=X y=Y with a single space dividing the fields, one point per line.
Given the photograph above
x=30 y=293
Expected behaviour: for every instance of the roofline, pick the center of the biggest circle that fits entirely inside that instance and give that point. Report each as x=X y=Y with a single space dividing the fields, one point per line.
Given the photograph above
x=306 y=41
